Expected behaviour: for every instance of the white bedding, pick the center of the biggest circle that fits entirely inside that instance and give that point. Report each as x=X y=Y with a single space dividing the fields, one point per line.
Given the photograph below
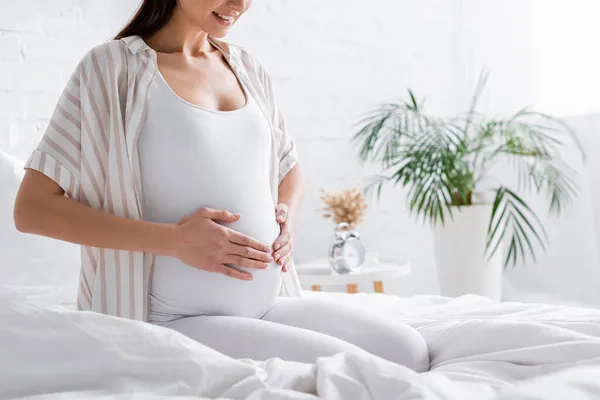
x=479 y=349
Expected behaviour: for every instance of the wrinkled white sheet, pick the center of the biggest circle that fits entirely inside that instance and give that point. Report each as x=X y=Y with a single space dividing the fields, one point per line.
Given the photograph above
x=480 y=349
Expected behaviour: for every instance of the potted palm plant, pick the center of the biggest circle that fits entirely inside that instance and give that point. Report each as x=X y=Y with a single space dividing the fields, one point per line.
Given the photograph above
x=446 y=165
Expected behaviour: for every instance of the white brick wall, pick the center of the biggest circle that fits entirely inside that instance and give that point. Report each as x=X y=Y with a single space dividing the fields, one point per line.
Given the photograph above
x=330 y=62
x=40 y=43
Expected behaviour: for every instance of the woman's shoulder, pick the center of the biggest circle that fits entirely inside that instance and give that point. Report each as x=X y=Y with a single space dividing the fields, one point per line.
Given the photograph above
x=111 y=45
x=110 y=55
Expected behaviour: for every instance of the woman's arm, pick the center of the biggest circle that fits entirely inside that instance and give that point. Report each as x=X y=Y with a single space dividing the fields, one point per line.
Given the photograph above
x=41 y=208
x=291 y=192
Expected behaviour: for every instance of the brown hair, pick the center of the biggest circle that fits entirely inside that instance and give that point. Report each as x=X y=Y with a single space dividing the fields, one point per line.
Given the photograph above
x=149 y=18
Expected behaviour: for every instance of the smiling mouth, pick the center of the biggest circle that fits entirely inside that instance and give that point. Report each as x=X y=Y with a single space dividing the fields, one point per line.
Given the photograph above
x=227 y=18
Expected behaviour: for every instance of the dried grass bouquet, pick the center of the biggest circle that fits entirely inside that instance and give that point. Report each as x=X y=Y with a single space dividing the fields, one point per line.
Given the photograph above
x=348 y=206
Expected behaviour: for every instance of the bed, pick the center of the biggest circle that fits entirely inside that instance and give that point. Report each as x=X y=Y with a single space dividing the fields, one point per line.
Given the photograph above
x=479 y=349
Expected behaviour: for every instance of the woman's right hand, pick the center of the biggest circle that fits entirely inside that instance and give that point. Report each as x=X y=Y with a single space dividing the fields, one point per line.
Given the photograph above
x=204 y=244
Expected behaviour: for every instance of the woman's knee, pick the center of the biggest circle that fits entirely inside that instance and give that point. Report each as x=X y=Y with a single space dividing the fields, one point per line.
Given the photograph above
x=408 y=348
x=395 y=341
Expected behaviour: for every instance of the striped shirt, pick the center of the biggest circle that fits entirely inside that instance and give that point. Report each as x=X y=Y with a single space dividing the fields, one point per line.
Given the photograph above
x=90 y=149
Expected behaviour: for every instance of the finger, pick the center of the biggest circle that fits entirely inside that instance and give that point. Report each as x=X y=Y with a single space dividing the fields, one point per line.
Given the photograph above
x=233 y=273
x=286 y=249
x=285 y=259
x=282 y=239
x=249 y=252
x=287 y=266
x=281 y=212
x=245 y=262
x=245 y=240
x=218 y=215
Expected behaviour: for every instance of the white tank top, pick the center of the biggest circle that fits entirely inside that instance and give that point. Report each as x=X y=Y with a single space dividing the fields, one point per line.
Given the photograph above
x=191 y=157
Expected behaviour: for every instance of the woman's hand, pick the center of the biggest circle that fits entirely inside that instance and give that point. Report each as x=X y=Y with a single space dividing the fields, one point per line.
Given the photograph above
x=282 y=247
x=202 y=243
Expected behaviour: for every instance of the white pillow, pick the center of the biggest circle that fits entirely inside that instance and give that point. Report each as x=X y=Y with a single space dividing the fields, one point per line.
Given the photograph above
x=32 y=260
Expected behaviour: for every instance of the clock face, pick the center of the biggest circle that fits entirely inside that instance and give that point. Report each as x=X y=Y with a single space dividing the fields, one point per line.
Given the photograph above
x=354 y=253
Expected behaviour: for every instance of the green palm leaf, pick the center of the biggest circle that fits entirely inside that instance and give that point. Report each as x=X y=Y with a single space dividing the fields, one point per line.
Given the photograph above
x=512 y=216
x=443 y=161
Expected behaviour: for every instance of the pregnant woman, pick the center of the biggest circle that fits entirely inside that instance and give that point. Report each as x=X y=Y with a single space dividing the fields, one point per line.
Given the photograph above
x=168 y=161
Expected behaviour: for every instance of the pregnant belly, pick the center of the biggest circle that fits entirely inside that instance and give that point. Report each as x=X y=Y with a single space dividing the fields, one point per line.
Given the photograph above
x=180 y=290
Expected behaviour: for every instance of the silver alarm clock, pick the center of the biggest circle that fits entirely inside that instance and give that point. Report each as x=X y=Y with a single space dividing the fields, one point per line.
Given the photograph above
x=346 y=253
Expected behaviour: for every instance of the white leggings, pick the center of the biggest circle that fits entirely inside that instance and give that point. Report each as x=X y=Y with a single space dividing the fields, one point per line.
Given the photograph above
x=303 y=329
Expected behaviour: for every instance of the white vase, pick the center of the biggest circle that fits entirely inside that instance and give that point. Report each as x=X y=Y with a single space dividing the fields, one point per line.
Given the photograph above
x=459 y=248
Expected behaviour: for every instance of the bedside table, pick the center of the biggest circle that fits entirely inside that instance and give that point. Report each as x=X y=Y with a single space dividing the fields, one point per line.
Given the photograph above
x=319 y=273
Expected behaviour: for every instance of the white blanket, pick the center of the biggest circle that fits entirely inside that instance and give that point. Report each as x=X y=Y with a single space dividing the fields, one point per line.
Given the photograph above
x=480 y=349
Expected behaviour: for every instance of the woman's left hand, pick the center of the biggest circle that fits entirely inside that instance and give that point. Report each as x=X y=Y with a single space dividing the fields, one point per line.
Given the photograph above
x=282 y=247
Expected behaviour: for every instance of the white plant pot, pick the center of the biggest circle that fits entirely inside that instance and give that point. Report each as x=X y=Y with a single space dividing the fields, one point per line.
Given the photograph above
x=459 y=248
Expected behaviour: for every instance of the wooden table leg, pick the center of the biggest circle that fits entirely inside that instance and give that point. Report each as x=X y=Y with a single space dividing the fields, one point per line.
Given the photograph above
x=316 y=288
x=378 y=286
x=352 y=288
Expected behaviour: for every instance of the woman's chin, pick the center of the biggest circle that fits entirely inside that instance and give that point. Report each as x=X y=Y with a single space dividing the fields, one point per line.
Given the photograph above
x=218 y=32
